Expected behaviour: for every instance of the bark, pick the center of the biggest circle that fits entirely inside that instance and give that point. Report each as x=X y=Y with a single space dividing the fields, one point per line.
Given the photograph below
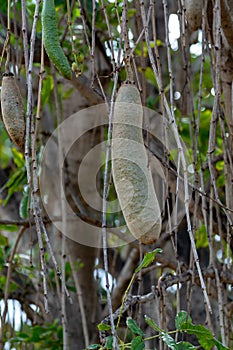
x=227 y=20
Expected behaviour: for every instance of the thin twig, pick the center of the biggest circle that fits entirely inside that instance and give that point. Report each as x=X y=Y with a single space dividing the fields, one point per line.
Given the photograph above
x=110 y=35
x=175 y=210
x=85 y=27
x=129 y=72
x=212 y=140
x=63 y=214
x=104 y=211
x=80 y=299
x=228 y=170
x=31 y=164
x=93 y=42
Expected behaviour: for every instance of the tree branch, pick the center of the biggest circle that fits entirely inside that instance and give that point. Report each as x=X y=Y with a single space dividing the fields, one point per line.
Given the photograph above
x=166 y=281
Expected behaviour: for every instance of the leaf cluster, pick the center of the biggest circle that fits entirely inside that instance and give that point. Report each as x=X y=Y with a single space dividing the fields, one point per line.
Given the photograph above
x=46 y=337
x=183 y=324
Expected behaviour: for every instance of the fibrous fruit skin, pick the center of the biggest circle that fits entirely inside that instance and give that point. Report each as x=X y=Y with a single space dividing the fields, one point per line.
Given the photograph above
x=131 y=173
x=194 y=14
x=51 y=39
x=12 y=110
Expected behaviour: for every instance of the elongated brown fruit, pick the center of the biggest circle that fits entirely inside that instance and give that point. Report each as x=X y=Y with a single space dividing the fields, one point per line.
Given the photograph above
x=13 y=110
x=131 y=173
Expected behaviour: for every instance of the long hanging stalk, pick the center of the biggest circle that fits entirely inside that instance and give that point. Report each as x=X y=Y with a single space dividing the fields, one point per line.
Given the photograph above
x=80 y=299
x=110 y=35
x=63 y=217
x=93 y=41
x=25 y=35
x=195 y=149
x=170 y=70
x=105 y=186
x=211 y=145
x=85 y=29
x=30 y=146
x=104 y=212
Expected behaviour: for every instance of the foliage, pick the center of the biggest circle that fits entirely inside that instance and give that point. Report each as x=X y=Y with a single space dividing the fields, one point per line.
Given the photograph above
x=18 y=177
x=148 y=259
x=48 y=336
x=183 y=324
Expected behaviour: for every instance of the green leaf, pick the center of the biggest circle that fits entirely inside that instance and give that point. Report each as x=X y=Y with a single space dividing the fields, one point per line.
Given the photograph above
x=137 y=344
x=169 y=341
x=21 y=336
x=13 y=287
x=12 y=179
x=152 y=324
x=93 y=347
x=219 y=345
x=204 y=336
x=67 y=93
x=109 y=342
x=60 y=333
x=18 y=157
x=37 y=332
x=131 y=12
x=52 y=326
x=2 y=282
x=201 y=237
x=46 y=334
x=185 y=346
x=181 y=318
x=3 y=240
x=132 y=325
x=14 y=183
x=199 y=330
x=47 y=88
x=104 y=327
x=148 y=259
x=3 y=6
x=76 y=12
x=150 y=76
x=206 y=343
x=9 y=228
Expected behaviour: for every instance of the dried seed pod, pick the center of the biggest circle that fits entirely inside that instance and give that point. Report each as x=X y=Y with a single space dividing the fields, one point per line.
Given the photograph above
x=194 y=14
x=13 y=110
x=131 y=173
x=51 y=39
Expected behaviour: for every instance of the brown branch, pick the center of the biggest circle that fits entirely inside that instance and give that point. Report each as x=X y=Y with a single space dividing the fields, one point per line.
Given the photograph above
x=132 y=300
x=227 y=20
x=6 y=222
x=83 y=85
x=129 y=302
x=166 y=281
